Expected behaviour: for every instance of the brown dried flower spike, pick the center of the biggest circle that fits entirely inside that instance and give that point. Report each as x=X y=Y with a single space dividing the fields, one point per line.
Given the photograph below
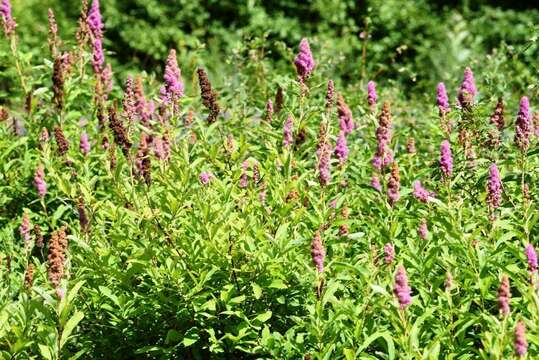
x=29 y=276
x=61 y=141
x=209 y=98
x=56 y=258
x=119 y=131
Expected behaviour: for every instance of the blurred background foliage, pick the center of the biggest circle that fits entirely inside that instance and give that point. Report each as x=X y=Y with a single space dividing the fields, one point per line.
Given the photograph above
x=413 y=43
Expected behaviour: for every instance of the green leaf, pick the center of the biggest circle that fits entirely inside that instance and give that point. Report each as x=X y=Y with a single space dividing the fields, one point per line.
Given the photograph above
x=70 y=326
x=263 y=317
x=46 y=352
x=278 y=284
x=257 y=290
x=190 y=339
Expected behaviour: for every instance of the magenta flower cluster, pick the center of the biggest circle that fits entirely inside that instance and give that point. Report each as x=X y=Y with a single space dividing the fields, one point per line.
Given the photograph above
x=494 y=187
x=173 y=88
x=341 y=149
x=304 y=61
x=523 y=125
x=389 y=253
x=467 y=90
x=421 y=193
x=401 y=289
x=442 y=101
x=446 y=159
x=84 y=144
x=287 y=132
x=39 y=181
x=95 y=24
x=372 y=97
x=9 y=23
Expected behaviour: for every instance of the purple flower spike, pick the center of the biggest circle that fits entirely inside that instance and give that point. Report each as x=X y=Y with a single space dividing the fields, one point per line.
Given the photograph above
x=531 y=256
x=304 y=60
x=173 y=89
x=441 y=99
x=401 y=289
x=446 y=159
x=346 y=122
x=318 y=252
x=467 y=89
x=287 y=132
x=95 y=23
x=494 y=188
x=7 y=18
x=389 y=253
x=98 y=58
x=421 y=193
x=523 y=125
x=341 y=149
x=520 y=342
x=39 y=181
x=504 y=296
x=372 y=97
x=84 y=144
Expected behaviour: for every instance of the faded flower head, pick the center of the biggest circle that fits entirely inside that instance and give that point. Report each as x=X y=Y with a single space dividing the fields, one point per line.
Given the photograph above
x=205 y=177
x=393 y=185
x=330 y=95
x=25 y=227
x=410 y=146
x=497 y=117
x=383 y=155
x=423 y=230
x=389 y=253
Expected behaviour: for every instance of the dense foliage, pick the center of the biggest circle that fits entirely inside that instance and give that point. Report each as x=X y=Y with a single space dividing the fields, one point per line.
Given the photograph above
x=272 y=213
x=401 y=39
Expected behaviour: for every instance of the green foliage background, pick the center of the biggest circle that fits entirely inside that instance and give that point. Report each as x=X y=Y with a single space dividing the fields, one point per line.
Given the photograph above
x=405 y=37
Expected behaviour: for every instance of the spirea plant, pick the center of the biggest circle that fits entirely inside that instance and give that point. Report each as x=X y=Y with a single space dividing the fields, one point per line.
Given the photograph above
x=177 y=217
